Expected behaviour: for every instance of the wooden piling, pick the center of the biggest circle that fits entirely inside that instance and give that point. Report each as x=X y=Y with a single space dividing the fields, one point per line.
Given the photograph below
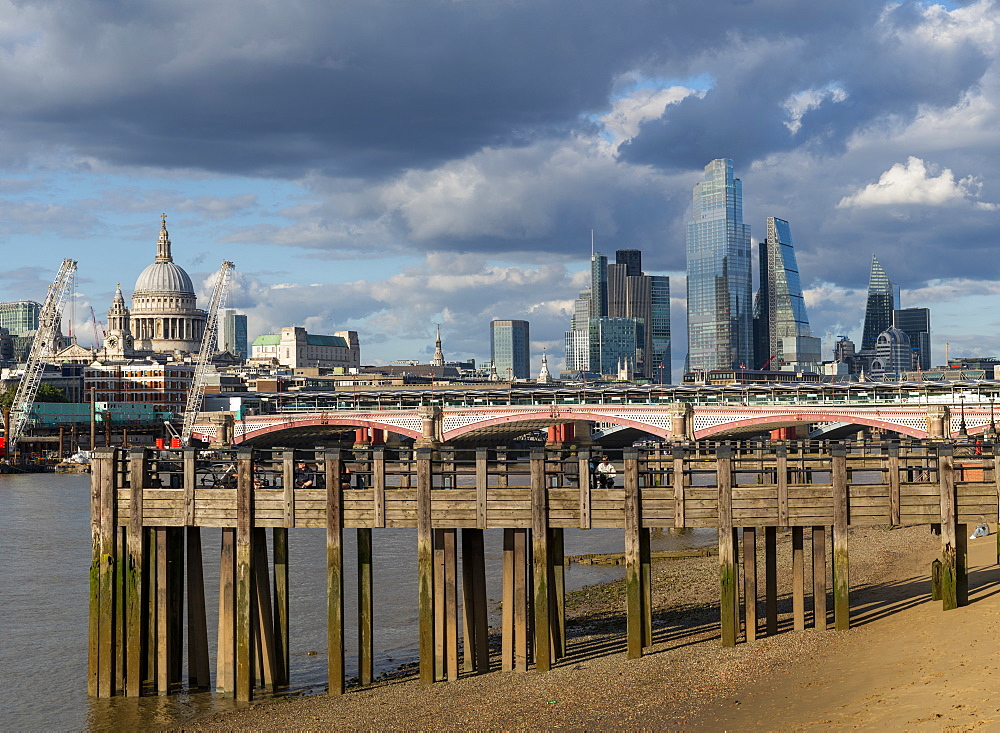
x=635 y=618
x=134 y=631
x=520 y=600
x=819 y=577
x=507 y=603
x=557 y=555
x=750 y=582
x=366 y=607
x=541 y=569
x=264 y=626
x=728 y=574
x=335 y=575
x=425 y=566
x=949 y=528
x=450 y=597
x=798 y=580
x=199 y=675
x=841 y=559
x=225 y=664
x=243 y=580
x=279 y=549
x=475 y=612
x=770 y=580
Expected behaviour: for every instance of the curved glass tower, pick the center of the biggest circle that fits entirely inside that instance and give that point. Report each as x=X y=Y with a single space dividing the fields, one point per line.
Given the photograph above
x=719 y=283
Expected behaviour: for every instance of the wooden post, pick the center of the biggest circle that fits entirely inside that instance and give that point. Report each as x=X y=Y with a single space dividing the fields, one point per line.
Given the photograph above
x=520 y=600
x=378 y=485
x=265 y=619
x=540 y=555
x=474 y=603
x=893 y=465
x=819 y=577
x=279 y=548
x=225 y=669
x=199 y=675
x=949 y=528
x=750 y=581
x=482 y=486
x=841 y=520
x=450 y=597
x=770 y=580
x=440 y=637
x=135 y=639
x=678 y=456
x=334 y=575
x=586 y=485
x=996 y=483
x=425 y=566
x=288 y=487
x=164 y=628
x=507 y=603
x=781 y=471
x=558 y=581
x=936 y=580
x=635 y=618
x=962 y=564
x=108 y=562
x=94 y=637
x=798 y=580
x=243 y=581
x=366 y=608
x=728 y=574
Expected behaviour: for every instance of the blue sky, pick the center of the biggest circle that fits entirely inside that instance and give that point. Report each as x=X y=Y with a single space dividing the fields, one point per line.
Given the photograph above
x=386 y=167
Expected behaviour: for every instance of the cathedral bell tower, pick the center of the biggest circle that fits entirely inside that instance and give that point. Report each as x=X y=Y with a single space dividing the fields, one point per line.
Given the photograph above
x=118 y=342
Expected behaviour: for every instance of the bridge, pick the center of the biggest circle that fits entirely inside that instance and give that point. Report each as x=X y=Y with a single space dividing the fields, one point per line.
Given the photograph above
x=582 y=415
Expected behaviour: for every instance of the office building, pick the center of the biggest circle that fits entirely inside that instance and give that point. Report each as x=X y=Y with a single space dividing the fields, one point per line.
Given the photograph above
x=510 y=343
x=719 y=281
x=296 y=348
x=916 y=324
x=598 y=285
x=882 y=301
x=233 y=337
x=658 y=329
x=613 y=345
x=20 y=317
x=784 y=339
x=892 y=352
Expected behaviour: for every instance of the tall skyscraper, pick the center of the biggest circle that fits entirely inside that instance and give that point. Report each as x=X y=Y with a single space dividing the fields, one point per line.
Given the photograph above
x=783 y=326
x=613 y=344
x=916 y=324
x=234 y=334
x=882 y=301
x=509 y=349
x=659 y=330
x=598 y=285
x=719 y=282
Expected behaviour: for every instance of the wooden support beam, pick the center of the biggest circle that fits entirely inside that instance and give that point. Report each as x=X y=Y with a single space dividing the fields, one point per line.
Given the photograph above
x=279 y=549
x=679 y=481
x=770 y=580
x=199 y=674
x=108 y=562
x=635 y=618
x=225 y=663
x=482 y=486
x=949 y=528
x=334 y=575
x=134 y=610
x=264 y=626
x=440 y=638
x=781 y=474
x=507 y=604
x=98 y=467
x=841 y=559
x=750 y=582
x=474 y=603
x=541 y=568
x=798 y=579
x=962 y=564
x=819 y=577
x=586 y=486
x=520 y=600
x=164 y=627
x=557 y=555
x=366 y=608
x=243 y=580
x=728 y=573
x=288 y=487
x=175 y=601
x=425 y=566
x=892 y=465
x=378 y=486
x=646 y=575
x=450 y=596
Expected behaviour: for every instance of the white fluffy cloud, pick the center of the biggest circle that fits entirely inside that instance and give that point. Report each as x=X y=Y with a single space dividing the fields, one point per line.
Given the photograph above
x=914 y=183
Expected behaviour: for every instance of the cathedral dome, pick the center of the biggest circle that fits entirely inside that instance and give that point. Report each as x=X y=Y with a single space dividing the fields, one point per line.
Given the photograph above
x=164 y=277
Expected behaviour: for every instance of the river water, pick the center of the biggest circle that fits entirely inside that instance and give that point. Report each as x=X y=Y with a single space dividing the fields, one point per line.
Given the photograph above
x=44 y=586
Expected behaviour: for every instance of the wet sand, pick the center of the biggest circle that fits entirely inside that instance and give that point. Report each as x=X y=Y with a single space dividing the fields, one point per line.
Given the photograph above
x=905 y=664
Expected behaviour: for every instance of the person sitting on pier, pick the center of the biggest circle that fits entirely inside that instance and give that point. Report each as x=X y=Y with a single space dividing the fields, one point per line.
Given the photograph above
x=606 y=473
x=301 y=479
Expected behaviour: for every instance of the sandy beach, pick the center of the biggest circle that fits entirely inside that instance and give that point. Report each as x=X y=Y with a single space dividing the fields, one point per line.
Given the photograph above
x=905 y=664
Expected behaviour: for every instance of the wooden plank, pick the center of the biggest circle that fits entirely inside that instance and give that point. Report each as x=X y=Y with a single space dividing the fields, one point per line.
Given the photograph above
x=334 y=576
x=728 y=574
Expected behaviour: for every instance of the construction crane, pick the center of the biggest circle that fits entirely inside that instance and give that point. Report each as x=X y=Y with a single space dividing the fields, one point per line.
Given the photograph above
x=208 y=342
x=41 y=348
x=93 y=320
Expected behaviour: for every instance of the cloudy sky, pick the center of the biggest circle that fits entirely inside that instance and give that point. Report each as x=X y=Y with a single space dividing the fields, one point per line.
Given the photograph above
x=386 y=166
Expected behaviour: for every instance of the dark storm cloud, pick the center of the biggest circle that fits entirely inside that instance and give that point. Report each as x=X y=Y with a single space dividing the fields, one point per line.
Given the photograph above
x=371 y=87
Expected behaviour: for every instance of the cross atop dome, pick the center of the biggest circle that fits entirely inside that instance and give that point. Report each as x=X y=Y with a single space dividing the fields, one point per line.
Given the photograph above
x=163 y=244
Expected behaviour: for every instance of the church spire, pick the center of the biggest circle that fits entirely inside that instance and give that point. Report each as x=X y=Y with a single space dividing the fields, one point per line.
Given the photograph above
x=163 y=245
x=438 y=353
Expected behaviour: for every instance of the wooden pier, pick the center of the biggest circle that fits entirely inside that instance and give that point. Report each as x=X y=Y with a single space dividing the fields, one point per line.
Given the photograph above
x=148 y=508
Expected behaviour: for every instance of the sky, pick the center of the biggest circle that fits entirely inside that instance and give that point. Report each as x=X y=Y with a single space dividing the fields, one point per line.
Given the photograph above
x=385 y=167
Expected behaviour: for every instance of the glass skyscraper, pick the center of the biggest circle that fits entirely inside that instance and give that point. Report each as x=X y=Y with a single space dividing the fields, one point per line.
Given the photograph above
x=916 y=323
x=781 y=305
x=659 y=329
x=234 y=334
x=20 y=317
x=719 y=281
x=882 y=300
x=509 y=349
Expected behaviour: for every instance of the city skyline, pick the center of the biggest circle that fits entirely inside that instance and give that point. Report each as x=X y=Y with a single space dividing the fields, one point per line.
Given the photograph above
x=368 y=185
